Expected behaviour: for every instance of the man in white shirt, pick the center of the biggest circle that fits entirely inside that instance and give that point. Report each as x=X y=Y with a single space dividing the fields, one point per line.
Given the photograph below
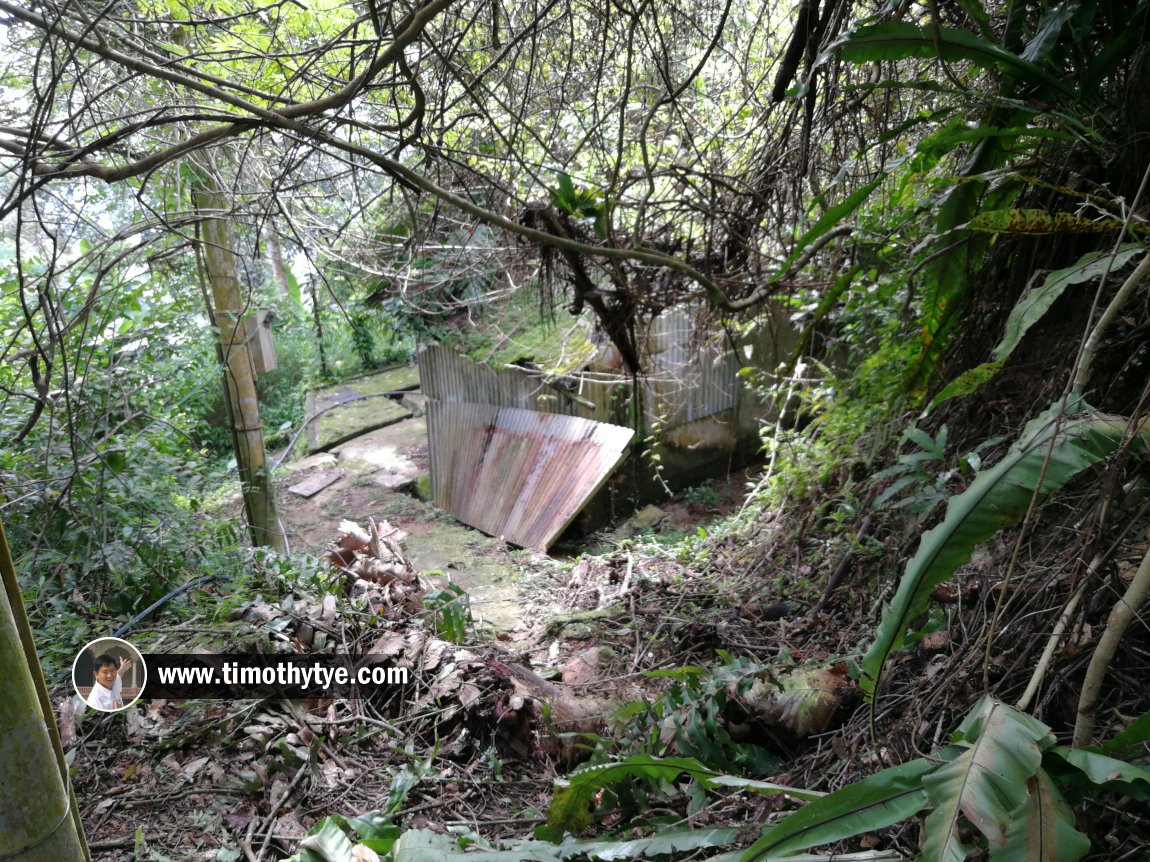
x=105 y=694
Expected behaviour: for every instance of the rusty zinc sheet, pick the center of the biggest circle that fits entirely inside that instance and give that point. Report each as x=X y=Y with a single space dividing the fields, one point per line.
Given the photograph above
x=520 y=474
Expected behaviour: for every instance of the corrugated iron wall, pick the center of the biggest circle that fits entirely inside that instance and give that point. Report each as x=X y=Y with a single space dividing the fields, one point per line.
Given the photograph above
x=691 y=375
x=516 y=473
x=447 y=376
x=687 y=379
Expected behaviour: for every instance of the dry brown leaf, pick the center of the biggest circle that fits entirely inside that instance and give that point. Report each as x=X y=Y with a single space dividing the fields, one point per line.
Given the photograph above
x=289 y=827
x=389 y=645
x=380 y=572
x=193 y=766
x=802 y=702
x=449 y=683
x=433 y=653
x=352 y=536
x=468 y=694
x=935 y=641
x=351 y=540
x=327 y=616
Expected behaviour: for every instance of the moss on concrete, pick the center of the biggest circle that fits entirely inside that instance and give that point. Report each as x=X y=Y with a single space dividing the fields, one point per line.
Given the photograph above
x=558 y=345
x=423 y=487
x=357 y=406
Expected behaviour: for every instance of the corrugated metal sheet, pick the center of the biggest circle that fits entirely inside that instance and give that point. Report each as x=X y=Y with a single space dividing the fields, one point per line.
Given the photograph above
x=686 y=381
x=515 y=455
x=520 y=474
x=692 y=375
x=448 y=376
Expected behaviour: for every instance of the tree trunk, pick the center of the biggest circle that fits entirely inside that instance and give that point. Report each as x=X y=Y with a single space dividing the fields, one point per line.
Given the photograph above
x=38 y=820
x=226 y=308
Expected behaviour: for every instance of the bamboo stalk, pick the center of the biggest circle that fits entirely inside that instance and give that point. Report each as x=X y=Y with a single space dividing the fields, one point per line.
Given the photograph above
x=1121 y=615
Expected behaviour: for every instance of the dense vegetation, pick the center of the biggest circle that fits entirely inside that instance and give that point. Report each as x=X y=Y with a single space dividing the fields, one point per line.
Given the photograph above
x=947 y=198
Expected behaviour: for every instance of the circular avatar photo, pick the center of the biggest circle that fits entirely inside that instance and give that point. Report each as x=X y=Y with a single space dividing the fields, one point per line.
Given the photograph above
x=109 y=674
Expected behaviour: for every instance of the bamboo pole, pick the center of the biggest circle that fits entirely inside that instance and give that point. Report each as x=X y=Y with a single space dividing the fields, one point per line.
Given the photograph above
x=227 y=309
x=39 y=820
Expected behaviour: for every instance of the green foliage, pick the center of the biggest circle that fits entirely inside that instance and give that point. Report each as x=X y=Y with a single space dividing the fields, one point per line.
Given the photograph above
x=1129 y=740
x=450 y=612
x=1002 y=781
x=105 y=496
x=912 y=469
x=920 y=483
x=362 y=338
x=1039 y=222
x=1002 y=775
x=881 y=800
x=690 y=718
x=330 y=841
x=1030 y=309
x=582 y=203
x=900 y=40
x=701 y=495
x=955 y=184
x=986 y=783
x=576 y=795
x=1048 y=454
x=405 y=779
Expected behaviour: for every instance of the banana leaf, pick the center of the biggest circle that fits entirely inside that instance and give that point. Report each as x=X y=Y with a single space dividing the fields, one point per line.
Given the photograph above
x=899 y=40
x=998 y=496
x=1031 y=308
x=986 y=783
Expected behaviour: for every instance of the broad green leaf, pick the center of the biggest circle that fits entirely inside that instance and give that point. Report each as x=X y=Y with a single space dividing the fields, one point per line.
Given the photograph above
x=571 y=806
x=1036 y=302
x=986 y=783
x=1101 y=769
x=374 y=825
x=997 y=497
x=1116 y=51
x=294 y=290
x=1042 y=829
x=978 y=15
x=900 y=40
x=829 y=220
x=563 y=196
x=1129 y=739
x=957 y=253
x=1030 y=309
x=566 y=188
x=960 y=131
x=1032 y=222
x=967 y=382
x=975 y=725
x=873 y=803
x=424 y=845
x=116 y=460
x=767 y=788
x=328 y=841
x=1049 y=29
x=936 y=450
x=662 y=843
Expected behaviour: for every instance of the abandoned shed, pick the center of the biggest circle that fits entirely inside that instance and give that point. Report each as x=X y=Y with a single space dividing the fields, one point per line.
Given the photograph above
x=520 y=453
